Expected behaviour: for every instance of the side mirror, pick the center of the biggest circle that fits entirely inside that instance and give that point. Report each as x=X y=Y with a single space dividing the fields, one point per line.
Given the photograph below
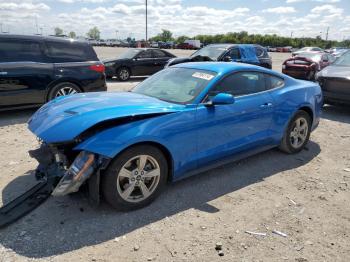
x=223 y=99
x=227 y=59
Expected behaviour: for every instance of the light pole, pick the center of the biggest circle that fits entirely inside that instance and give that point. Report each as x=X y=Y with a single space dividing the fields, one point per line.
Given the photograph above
x=36 y=25
x=116 y=34
x=146 y=23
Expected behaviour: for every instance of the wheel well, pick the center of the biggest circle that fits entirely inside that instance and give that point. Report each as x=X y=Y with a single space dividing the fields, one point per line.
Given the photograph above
x=123 y=66
x=164 y=150
x=52 y=85
x=309 y=112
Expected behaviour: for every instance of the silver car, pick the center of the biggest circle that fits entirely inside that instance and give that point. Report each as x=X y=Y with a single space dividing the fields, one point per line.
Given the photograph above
x=335 y=80
x=307 y=49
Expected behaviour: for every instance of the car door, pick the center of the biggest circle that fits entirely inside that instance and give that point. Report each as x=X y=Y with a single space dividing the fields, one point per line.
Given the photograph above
x=160 y=59
x=143 y=63
x=226 y=130
x=24 y=75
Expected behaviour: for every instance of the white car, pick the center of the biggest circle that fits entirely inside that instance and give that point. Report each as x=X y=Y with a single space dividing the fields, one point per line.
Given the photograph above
x=307 y=49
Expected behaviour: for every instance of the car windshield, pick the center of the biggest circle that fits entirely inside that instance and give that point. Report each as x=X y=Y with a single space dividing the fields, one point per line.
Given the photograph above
x=343 y=60
x=213 y=52
x=129 y=54
x=176 y=85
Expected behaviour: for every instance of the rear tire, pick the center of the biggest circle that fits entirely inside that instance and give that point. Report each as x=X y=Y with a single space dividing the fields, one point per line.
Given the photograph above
x=135 y=178
x=123 y=74
x=297 y=133
x=63 y=89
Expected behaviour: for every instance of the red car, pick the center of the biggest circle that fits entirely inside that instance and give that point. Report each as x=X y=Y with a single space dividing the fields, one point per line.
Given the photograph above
x=306 y=65
x=185 y=46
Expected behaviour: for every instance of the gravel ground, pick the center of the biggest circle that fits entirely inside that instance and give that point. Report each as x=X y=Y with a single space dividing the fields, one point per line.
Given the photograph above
x=303 y=196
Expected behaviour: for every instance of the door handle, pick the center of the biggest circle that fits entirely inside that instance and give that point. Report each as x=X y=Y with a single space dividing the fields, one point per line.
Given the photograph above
x=266 y=105
x=2 y=73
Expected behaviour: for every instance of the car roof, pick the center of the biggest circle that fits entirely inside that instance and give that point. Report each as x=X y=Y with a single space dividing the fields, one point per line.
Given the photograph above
x=223 y=67
x=312 y=53
x=309 y=47
x=39 y=38
x=147 y=48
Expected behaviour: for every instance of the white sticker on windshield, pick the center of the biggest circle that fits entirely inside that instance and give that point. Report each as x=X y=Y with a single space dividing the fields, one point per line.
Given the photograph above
x=203 y=76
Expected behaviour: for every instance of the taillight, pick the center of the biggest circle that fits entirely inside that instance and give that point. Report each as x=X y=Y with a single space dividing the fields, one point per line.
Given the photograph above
x=98 y=68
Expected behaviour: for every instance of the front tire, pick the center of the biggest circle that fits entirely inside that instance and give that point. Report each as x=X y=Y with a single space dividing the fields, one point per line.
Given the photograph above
x=63 y=89
x=297 y=133
x=123 y=74
x=311 y=76
x=135 y=178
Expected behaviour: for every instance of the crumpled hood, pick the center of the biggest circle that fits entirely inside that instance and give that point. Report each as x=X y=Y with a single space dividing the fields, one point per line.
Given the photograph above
x=335 y=71
x=65 y=118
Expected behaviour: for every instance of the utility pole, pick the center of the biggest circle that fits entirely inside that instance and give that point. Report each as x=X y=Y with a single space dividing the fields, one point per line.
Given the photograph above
x=36 y=25
x=291 y=34
x=116 y=34
x=146 y=23
x=327 y=33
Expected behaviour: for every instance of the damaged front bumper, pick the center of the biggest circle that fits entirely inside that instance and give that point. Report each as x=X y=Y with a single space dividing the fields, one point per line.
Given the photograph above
x=58 y=177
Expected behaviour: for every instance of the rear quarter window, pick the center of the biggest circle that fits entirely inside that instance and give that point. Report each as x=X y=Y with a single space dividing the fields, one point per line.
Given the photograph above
x=60 y=52
x=260 y=52
x=274 y=81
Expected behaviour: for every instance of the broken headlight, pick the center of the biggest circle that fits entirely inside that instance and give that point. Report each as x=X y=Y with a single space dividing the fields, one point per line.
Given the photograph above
x=80 y=170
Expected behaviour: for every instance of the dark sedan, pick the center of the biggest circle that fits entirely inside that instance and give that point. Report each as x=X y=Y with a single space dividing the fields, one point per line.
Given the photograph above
x=244 y=53
x=35 y=69
x=306 y=65
x=335 y=81
x=137 y=62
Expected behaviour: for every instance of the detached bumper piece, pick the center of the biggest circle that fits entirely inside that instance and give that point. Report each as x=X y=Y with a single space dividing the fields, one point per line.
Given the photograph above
x=36 y=195
x=25 y=203
x=55 y=178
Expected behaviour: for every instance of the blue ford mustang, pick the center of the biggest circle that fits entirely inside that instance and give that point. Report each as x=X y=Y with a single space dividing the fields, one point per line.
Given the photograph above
x=183 y=120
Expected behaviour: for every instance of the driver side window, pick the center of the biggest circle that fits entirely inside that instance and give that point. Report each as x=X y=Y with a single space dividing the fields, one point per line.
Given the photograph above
x=238 y=84
x=234 y=54
x=145 y=54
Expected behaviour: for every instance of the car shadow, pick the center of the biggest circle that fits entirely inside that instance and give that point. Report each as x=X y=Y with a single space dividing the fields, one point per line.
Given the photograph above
x=17 y=116
x=68 y=223
x=339 y=113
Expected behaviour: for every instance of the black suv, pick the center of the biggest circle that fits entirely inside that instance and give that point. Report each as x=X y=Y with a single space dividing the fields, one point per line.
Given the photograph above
x=36 y=69
x=242 y=53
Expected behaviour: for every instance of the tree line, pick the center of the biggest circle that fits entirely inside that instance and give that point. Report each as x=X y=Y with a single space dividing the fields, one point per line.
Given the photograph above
x=246 y=38
x=234 y=38
x=93 y=33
